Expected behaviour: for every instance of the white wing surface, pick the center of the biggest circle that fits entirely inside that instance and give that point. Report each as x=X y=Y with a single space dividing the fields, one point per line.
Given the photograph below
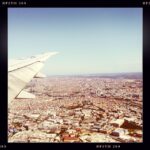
x=21 y=71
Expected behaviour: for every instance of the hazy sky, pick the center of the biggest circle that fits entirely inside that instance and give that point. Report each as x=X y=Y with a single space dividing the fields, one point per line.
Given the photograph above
x=90 y=40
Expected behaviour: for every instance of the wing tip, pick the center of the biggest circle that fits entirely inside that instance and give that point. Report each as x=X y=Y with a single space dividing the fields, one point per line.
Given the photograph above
x=53 y=53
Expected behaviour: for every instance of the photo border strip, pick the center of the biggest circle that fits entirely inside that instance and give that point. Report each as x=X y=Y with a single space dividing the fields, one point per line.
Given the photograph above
x=3 y=67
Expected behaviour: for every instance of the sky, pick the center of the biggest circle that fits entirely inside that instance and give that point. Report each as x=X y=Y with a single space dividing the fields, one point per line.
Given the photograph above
x=89 y=40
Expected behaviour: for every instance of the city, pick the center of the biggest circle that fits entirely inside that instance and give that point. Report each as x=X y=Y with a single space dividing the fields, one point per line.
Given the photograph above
x=79 y=109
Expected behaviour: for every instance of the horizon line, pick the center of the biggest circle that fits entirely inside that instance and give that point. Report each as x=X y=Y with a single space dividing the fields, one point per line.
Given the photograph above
x=104 y=73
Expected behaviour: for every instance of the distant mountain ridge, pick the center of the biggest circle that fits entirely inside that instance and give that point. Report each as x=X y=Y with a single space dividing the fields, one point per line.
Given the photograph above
x=128 y=75
x=135 y=75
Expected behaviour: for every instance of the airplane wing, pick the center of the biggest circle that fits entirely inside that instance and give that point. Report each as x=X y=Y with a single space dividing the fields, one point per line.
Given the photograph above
x=21 y=71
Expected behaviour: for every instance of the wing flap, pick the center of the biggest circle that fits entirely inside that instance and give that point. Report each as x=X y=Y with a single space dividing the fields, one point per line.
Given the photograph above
x=40 y=75
x=25 y=95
